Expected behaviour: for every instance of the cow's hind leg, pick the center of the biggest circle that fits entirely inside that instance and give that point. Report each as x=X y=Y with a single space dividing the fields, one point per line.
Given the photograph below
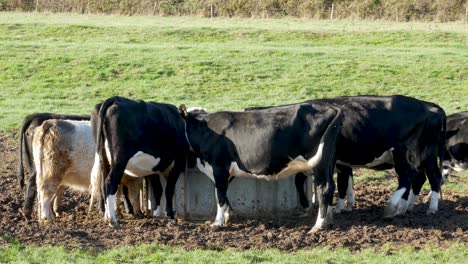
x=157 y=191
x=57 y=200
x=221 y=183
x=405 y=175
x=112 y=184
x=435 y=178
x=133 y=193
x=416 y=187
x=46 y=197
x=300 y=181
x=325 y=190
x=345 y=189
x=170 y=187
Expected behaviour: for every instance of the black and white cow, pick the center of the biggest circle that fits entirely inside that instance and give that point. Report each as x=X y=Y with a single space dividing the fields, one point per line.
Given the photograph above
x=26 y=165
x=456 y=155
x=384 y=132
x=138 y=138
x=267 y=144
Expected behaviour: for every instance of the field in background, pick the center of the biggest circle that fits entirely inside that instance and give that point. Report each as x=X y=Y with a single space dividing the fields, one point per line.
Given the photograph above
x=67 y=63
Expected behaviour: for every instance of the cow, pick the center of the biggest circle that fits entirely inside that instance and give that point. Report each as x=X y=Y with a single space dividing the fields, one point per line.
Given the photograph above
x=384 y=132
x=268 y=144
x=63 y=154
x=141 y=139
x=456 y=154
x=26 y=162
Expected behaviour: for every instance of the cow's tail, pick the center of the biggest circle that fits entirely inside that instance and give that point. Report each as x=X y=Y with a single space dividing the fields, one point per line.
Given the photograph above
x=43 y=150
x=442 y=146
x=305 y=166
x=97 y=182
x=23 y=148
x=441 y=150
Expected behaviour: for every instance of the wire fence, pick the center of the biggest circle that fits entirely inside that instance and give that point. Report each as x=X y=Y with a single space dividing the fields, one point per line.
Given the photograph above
x=395 y=10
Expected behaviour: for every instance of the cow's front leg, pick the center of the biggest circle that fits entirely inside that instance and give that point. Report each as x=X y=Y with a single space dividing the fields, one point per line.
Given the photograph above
x=221 y=178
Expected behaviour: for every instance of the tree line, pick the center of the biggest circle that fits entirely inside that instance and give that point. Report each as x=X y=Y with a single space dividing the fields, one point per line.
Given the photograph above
x=396 y=10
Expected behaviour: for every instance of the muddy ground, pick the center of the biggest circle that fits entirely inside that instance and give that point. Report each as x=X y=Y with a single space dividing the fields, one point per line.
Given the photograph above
x=364 y=227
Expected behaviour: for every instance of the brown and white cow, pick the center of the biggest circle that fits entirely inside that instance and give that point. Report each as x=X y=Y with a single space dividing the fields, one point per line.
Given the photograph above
x=63 y=153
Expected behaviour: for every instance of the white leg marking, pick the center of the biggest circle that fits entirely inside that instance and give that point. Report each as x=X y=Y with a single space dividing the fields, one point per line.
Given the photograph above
x=350 y=193
x=402 y=207
x=323 y=220
x=411 y=200
x=434 y=203
x=313 y=198
x=110 y=209
x=158 y=212
x=340 y=206
x=392 y=205
x=150 y=204
x=397 y=196
x=220 y=215
x=446 y=172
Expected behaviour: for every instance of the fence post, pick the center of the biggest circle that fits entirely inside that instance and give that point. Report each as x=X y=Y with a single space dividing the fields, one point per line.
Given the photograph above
x=211 y=10
x=332 y=9
x=37 y=3
x=466 y=14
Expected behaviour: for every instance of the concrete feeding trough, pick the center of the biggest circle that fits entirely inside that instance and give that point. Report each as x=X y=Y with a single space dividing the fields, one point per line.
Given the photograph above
x=194 y=197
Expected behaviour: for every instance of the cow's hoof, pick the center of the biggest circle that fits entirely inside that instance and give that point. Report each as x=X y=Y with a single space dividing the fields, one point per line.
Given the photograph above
x=339 y=206
x=26 y=214
x=114 y=225
x=402 y=207
x=216 y=225
x=303 y=214
x=315 y=229
x=227 y=216
x=390 y=211
x=138 y=214
x=431 y=211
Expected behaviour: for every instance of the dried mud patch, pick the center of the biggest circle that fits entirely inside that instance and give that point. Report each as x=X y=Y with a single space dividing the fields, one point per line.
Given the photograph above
x=362 y=228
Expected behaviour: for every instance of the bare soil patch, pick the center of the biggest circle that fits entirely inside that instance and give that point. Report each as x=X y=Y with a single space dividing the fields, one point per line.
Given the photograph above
x=364 y=227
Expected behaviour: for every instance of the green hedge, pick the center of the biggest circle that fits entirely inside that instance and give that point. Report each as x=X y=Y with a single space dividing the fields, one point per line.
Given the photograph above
x=398 y=10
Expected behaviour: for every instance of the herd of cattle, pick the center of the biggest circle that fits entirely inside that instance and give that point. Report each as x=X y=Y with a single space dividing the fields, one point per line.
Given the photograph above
x=125 y=140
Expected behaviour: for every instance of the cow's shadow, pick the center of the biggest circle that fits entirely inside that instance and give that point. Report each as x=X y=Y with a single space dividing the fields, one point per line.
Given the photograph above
x=450 y=216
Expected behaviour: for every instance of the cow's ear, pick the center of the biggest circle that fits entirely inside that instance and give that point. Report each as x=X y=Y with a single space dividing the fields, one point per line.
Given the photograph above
x=183 y=111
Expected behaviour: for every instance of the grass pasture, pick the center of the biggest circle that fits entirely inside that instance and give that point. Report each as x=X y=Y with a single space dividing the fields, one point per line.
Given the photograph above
x=67 y=63
x=63 y=63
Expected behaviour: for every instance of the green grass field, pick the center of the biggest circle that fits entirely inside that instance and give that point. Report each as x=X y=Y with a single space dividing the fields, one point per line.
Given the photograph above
x=67 y=63
x=456 y=253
